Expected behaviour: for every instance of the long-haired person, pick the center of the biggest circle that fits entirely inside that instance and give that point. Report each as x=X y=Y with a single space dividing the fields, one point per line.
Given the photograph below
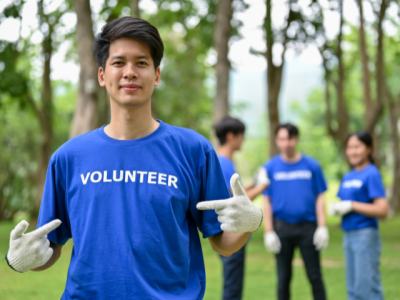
x=363 y=202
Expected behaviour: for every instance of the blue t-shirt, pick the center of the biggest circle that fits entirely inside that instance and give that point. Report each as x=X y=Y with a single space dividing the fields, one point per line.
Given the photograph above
x=228 y=169
x=130 y=207
x=361 y=186
x=294 y=188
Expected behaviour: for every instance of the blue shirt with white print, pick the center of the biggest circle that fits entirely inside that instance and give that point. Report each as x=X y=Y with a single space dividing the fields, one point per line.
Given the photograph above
x=130 y=208
x=361 y=186
x=294 y=188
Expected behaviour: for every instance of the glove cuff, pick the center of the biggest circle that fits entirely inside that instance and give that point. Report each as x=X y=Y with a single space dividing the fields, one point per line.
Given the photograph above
x=14 y=263
x=256 y=221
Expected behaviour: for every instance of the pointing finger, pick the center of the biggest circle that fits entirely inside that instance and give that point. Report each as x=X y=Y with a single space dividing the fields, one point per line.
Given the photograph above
x=19 y=230
x=216 y=204
x=236 y=186
x=45 y=229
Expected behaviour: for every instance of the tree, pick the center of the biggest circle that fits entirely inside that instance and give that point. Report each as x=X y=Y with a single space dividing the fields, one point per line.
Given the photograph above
x=222 y=34
x=329 y=51
x=87 y=109
x=135 y=9
x=302 y=32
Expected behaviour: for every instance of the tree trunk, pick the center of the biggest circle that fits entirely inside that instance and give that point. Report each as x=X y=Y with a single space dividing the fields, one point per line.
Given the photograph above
x=341 y=115
x=135 y=9
x=222 y=35
x=44 y=113
x=86 y=112
x=274 y=75
x=394 y=111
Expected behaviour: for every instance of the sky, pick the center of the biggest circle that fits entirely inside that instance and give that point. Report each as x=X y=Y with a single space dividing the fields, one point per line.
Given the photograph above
x=302 y=73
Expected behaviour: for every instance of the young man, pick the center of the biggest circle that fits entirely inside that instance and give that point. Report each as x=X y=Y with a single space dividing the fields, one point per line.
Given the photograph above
x=295 y=212
x=131 y=193
x=230 y=133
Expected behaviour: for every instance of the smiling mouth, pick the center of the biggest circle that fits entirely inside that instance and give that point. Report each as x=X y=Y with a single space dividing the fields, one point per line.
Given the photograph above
x=130 y=88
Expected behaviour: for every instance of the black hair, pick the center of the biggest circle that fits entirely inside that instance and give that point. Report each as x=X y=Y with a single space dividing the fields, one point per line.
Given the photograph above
x=292 y=129
x=228 y=124
x=366 y=138
x=135 y=28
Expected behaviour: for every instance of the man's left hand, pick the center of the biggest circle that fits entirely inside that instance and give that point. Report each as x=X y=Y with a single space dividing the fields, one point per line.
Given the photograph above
x=237 y=214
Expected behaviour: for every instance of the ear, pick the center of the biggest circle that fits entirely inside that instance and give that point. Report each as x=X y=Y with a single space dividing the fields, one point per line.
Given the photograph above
x=229 y=136
x=158 y=77
x=100 y=76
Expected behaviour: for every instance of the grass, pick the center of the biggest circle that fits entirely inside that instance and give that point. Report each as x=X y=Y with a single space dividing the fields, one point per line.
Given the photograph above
x=260 y=278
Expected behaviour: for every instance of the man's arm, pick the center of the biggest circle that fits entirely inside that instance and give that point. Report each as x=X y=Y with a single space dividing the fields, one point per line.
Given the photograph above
x=268 y=224
x=53 y=259
x=227 y=243
x=255 y=191
x=320 y=210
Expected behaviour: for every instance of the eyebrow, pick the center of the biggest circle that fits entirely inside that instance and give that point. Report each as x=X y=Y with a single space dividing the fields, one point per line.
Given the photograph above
x=123 y=57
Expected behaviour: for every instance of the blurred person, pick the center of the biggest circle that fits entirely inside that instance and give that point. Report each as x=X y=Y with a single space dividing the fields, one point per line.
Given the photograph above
x=363 y=200
x=134 y=193
x=295 y=212
x=230 y=133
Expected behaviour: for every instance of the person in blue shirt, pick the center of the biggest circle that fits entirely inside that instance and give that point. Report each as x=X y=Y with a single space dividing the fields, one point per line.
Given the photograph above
x=363 y=200
x=134 y=193
x=295 y=212
x=230 y=133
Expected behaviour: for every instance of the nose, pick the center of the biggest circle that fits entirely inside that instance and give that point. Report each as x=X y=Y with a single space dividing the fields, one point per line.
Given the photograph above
x=130 y=72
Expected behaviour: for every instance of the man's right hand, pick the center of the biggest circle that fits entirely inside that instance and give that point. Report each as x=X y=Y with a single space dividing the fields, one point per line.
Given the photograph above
x=31 y=250
x=272 y=242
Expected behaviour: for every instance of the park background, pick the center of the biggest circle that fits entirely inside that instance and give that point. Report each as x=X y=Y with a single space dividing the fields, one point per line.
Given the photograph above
x=329 y=66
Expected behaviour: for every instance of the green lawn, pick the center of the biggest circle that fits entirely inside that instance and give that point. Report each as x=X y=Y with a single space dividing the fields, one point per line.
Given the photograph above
x=260 y=281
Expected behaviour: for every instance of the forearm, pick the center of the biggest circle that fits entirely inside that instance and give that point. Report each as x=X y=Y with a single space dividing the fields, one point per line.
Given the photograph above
x=53 y=259
x=255 y=191
x=379 y=208
x=320 y=210
x=268 y=216
x=227 y=243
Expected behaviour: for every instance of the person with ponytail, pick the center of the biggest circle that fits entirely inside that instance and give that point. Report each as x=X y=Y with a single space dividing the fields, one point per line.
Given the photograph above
x=363 y=201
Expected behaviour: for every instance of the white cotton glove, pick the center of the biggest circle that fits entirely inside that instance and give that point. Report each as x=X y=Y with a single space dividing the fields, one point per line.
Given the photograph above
x=31 y=250
x=341 y=208
x=321 y=238
x=272 y=242
x=261 y=177
x=237 y=214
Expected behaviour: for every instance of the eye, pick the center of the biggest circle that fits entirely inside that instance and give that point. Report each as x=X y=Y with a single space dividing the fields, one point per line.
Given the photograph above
x=142 y=63
x=118 y=63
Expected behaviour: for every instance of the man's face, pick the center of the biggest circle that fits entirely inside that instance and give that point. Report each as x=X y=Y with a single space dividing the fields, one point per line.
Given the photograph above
x=285 y=143
x=235 y=140
x=129 y=75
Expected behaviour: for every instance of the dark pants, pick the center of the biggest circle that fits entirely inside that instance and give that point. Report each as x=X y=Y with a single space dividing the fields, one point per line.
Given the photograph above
x=291 y=236
x=233 y=275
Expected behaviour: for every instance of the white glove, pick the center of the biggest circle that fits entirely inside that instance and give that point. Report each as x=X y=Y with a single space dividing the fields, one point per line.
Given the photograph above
x=341 y=208
x=31 y=250
x=237 y=214
x=321 y=238
x=272 y=242
x=261 y=177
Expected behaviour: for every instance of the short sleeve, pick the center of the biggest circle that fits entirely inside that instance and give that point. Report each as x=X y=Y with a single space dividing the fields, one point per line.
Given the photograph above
x=375 y=186
x=267 y=191
x=53 y=204
x=340 y=191
x=212 y=187
x=228 y=170
x=319 y=180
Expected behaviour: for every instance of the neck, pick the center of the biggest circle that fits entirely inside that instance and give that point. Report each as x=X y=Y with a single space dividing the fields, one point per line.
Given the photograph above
x=291 y=157
x=226 y=151
x=362 y=165
x=129 y=123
